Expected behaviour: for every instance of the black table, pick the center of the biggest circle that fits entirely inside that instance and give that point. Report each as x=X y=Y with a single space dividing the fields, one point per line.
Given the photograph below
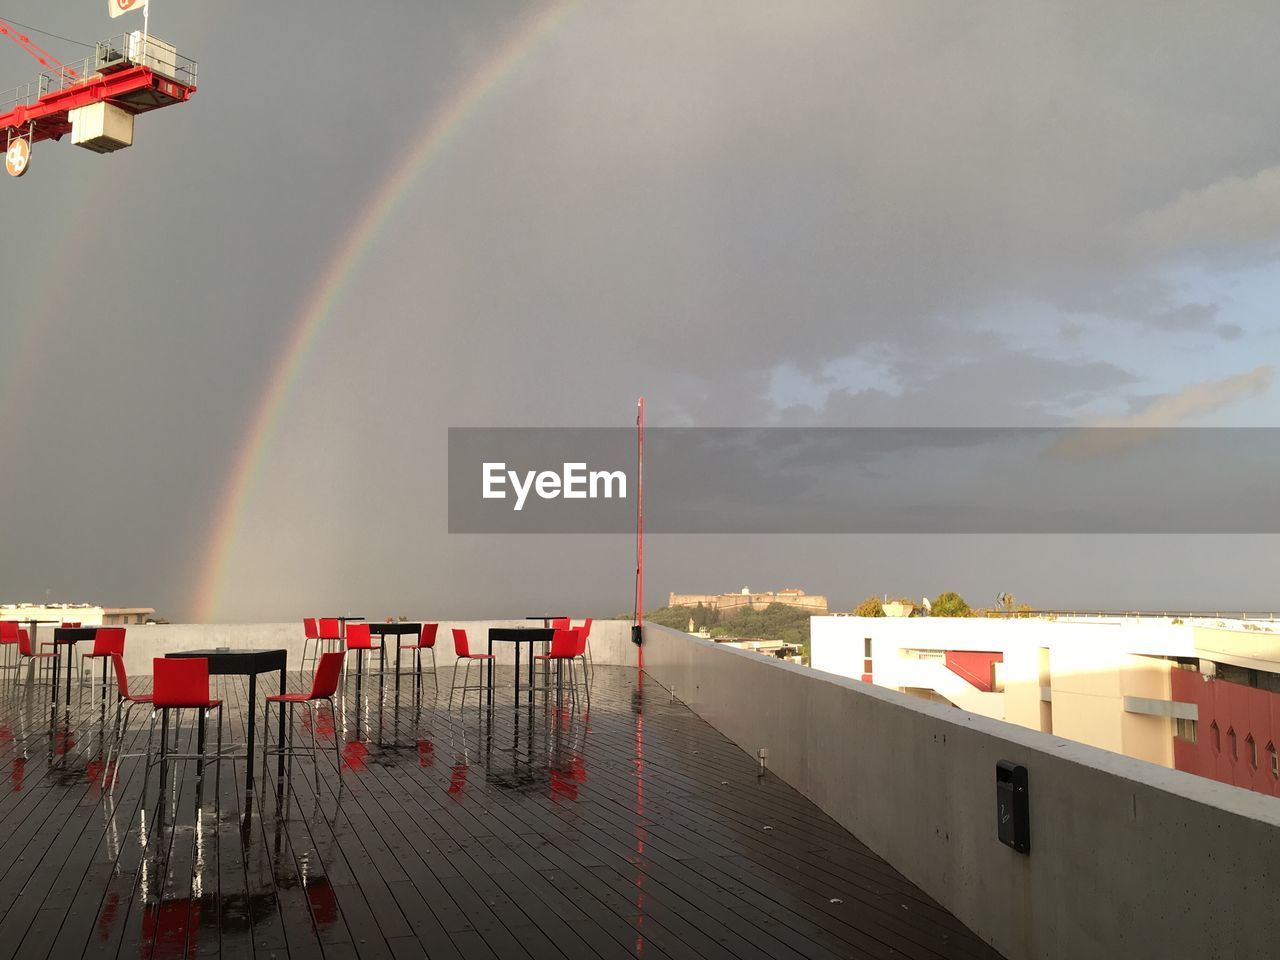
x=68 y=637
x=516 y=635
x=250 y=663
x=396 y=629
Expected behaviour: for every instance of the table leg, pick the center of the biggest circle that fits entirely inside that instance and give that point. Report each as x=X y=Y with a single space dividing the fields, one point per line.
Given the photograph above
x=517 y=646
x=280 y=730
x=253 y=712
x=531 y=674
x=71 y=659
x=488 y=666
x=56 y=661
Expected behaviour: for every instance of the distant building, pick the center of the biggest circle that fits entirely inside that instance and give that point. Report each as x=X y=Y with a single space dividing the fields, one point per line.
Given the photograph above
x=777 y=649
x=122 y=616
x=85 y=614
x=731 y=603
x=1200 y=695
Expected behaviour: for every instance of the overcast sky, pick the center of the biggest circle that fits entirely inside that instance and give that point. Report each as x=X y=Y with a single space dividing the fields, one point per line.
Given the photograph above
x=752 y=213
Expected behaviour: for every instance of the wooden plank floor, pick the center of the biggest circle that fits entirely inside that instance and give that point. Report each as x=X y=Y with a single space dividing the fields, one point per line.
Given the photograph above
x=631 y=828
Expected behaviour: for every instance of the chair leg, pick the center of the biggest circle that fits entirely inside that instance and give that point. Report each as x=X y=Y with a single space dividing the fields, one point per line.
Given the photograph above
x=435 y=679
x=337 y=740
x=266 y=737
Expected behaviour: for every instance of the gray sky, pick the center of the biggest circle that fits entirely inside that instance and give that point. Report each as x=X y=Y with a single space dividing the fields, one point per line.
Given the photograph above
x=753 y=213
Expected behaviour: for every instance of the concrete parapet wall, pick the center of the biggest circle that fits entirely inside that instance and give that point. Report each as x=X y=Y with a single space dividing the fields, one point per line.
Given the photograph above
x=1127 y=859
x=610 y=640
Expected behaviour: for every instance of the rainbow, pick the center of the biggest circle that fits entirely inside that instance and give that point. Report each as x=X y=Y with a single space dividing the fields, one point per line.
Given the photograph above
x=439 y=131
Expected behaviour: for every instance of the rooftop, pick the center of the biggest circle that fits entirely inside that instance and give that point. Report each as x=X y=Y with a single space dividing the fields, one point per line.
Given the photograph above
x=632 y=828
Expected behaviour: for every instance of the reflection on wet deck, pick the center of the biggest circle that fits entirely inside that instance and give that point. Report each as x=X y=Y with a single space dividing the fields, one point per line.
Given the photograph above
x=632 y=829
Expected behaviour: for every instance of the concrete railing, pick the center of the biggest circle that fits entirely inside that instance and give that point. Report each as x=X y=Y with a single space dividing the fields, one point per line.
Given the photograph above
x=1127 y=859
x=610 y=640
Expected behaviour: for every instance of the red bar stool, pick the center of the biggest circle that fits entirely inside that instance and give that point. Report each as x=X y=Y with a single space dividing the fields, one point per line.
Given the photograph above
x=181 y=683
x=43 y=661
x=107 y=642
x=123 y=712
x=70 y=625
x=588 y=667
x=566 y=647
x=323 y=687
x=310 y=638
x=360 y=639
x=426 y=641
x=462 y=649
x=9 y=643
x=331 y=637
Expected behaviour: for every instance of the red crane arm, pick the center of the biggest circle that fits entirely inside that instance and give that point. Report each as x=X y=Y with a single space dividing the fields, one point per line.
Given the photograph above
x=45 y=58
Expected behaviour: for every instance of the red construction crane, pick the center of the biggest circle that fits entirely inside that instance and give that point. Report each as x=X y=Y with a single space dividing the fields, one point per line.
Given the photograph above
x=96 y=99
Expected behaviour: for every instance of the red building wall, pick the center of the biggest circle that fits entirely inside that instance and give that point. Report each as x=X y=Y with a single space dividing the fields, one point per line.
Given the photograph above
x=1232 y=707
x=974 y=666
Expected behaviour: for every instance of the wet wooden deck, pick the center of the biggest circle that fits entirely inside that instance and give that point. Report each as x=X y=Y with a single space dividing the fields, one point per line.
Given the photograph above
x=632 y=829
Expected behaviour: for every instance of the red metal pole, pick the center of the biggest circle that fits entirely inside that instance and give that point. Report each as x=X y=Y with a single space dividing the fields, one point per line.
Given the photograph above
x=639 y=618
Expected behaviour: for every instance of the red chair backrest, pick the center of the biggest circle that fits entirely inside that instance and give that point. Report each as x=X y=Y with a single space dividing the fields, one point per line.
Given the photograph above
x=309 y=628
x=564 y=643
x=560 y=623
x=328 y=672
x=122 y=679
x=180 y=681
x=428 y=637
x=73 y=624
x=24 y=643
x=108 y=640
x=358 y=636
x=460 y=645
x=586 y=628
x=8 y=631
x=330 y=628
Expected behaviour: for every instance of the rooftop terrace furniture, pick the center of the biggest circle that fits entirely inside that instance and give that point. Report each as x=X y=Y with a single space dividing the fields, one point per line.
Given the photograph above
x=324 y=685
x=107 y=643
x=517 y=636
x=181 y=683
x=245 y=663
x=462 y=650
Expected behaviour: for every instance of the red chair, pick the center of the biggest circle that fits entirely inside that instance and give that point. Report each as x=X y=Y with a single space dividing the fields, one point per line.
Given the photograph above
x=124 y=696
x=462 y=649
x=330 y=637
x=68 y=624
x=426 y=641
x=323 y=687
x=588 y=667
x=9 y=643
x=310 y=638
x=181 y=683
x=44 y=661
x=566 y=647
x=107 y=642
x=360 y=639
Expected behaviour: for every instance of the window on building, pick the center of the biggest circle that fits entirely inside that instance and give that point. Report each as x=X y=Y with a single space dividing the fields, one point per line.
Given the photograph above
x=1275 y=761
x=1186 y=730
x=1215 y=737
x=1231 y=742
x=1252 y=749
x=866 y=647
